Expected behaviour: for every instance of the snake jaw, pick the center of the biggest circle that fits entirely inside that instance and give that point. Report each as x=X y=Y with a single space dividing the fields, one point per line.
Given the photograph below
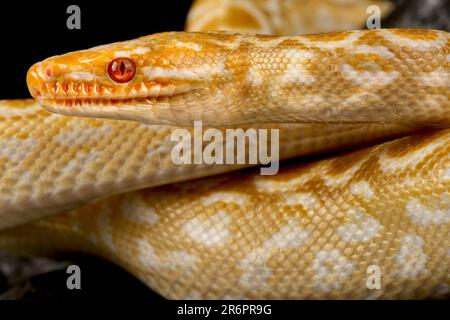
x=146 y=102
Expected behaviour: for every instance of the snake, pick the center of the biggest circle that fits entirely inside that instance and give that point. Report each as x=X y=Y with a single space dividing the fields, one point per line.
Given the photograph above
x=87 y=166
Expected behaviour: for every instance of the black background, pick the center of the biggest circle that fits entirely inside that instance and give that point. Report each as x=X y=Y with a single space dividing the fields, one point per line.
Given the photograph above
x=31 y=32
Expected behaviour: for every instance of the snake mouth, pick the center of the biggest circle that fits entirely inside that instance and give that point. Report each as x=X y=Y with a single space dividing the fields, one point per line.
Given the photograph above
x=150 y=110
x=66 y=106
x=67 y=94
x=131 y=102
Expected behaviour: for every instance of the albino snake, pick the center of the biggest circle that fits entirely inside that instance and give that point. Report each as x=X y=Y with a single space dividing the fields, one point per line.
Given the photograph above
x=312 y=230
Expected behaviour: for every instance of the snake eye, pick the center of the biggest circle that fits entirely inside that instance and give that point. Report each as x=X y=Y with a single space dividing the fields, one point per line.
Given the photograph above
x=121 y=70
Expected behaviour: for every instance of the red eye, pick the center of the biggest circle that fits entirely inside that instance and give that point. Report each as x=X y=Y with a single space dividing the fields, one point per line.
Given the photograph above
x=121 y=70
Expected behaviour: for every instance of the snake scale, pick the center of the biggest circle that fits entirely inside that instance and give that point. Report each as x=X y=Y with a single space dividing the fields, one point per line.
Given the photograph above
x=310 y=232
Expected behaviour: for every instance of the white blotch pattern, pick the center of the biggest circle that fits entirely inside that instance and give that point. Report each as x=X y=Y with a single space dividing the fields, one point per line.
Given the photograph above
x=129 y=53
x=26 y=177
x=7 y=111
x=298 y=55
x=437 y=78
x=254 y=76
x=203 y=72
x=189 y=45
x=170 y=260
x=82 y=135
x=227 y=197
x=383 y=52
x=361 y=188
x=368 y=78
x=343 y=177
x=331 y=269
x=361 y=226
x=426 y=215
x=445 y=175
x=363 y=99
x=15 y=149
x=81 y=159
x=179 y=258
x=306 y=200
x=410 y=258
x=411 y=159
x=232 y=45
x=291 y=235
x=147 y=256
x=254 y=265
x=136 y=210
x=313 y=100
x=295 y=72
x=255 y=269
x=209 y=231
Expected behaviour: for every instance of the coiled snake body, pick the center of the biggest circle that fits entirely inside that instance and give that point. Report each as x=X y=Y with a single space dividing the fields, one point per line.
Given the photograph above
x=312 y=231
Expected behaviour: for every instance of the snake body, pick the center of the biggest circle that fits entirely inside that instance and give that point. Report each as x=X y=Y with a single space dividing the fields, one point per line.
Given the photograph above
x=312 y=231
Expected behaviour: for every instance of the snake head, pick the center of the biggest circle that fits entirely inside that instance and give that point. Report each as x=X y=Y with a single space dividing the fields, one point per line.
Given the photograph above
x=158 y=79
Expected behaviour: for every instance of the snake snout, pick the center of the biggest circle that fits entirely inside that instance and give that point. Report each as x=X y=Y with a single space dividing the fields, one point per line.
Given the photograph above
x=37 y=75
